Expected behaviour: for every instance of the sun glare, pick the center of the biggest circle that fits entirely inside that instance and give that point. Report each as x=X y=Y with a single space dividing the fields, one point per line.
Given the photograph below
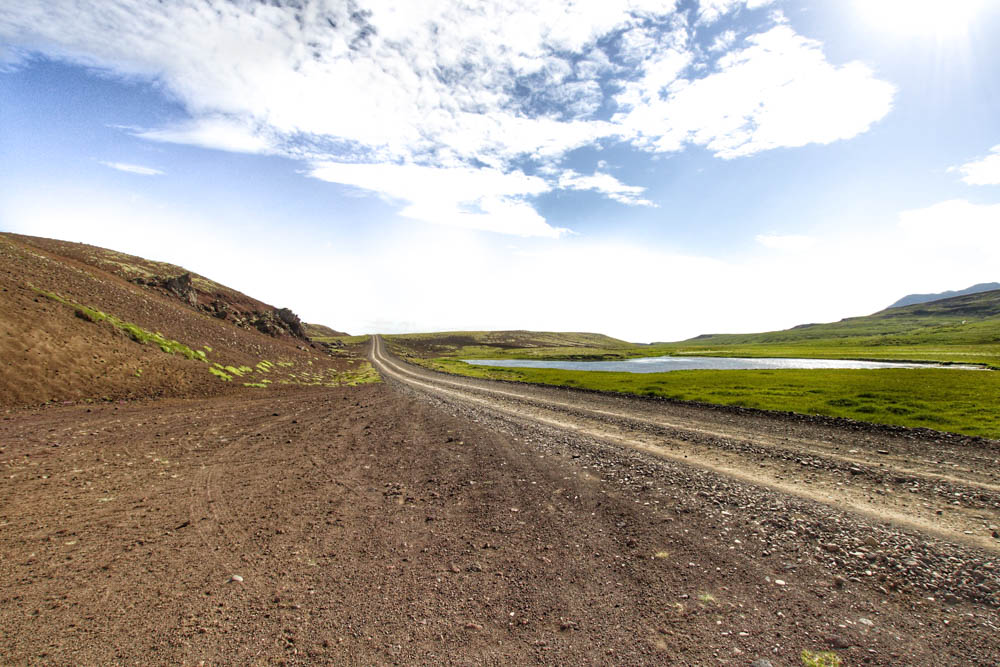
x=940 y=18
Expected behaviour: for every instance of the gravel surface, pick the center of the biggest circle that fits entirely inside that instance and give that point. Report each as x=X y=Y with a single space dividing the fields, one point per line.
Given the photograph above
x=394 y=524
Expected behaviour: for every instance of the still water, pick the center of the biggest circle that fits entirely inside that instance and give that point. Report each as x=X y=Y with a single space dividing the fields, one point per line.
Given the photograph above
x=664 y=364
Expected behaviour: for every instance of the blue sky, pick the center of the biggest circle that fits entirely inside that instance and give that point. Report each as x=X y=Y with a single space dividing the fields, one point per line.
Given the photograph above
x=649 y=169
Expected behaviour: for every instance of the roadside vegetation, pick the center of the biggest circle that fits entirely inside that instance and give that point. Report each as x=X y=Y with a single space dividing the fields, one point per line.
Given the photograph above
x=963 y=329
x=285 y=372
x=939 y=398
x=133 y=331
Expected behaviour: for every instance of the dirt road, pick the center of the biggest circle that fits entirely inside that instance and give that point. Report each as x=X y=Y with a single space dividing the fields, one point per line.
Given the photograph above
x=397 y=524
x=944 y=485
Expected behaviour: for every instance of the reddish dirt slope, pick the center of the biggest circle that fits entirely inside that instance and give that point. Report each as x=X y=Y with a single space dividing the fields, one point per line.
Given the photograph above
x=49 y=353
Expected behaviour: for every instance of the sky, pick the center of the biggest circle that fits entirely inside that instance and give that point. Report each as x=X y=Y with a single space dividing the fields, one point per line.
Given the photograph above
x=648 y=169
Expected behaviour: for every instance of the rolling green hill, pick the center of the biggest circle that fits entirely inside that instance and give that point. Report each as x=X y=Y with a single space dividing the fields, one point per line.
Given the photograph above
x=510 y=345
x=964 y=329
x=911 y=299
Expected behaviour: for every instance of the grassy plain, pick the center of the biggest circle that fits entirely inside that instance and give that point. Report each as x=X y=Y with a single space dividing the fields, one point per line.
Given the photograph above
x=963 y=329
x=939 y=398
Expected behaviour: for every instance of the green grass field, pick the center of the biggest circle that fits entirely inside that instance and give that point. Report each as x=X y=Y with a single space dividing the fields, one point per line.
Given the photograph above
x=963 y=329
x=939 y=398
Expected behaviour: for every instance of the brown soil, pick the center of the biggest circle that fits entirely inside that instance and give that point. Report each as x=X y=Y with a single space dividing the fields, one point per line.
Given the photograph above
x=48 y=353
x=398 y=524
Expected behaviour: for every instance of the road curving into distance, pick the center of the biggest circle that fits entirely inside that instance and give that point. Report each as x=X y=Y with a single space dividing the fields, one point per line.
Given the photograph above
x=941 y=485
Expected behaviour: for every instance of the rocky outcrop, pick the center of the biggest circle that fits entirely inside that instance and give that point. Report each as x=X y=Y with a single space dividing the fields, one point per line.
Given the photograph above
x=275 y=322
x=182 y=287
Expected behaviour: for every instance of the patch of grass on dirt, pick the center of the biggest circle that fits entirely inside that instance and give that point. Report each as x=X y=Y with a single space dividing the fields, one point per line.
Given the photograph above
x=364 y=374
x=134 y=331
x=940 y=398
x=820 y=659
x=221 y=374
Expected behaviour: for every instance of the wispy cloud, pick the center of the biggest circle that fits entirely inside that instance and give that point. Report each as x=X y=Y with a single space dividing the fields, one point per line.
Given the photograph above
x=483 y=199
x=607 y=185
x=710 y=11
x=491 y=85
x=985 y=171
x=213 y=132
x=133 y=168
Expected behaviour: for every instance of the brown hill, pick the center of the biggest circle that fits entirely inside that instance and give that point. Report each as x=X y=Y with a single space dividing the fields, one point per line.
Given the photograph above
x=315 y=331
x=81 y=322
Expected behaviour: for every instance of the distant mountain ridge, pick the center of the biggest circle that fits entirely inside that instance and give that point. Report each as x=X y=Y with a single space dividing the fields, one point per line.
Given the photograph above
x=911 y=299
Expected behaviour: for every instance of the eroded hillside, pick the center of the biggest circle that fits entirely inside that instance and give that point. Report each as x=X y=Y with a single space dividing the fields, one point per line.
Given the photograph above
x=86 y=323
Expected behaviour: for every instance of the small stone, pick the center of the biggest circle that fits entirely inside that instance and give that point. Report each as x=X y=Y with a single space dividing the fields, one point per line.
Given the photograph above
x=236 y=578
x=865 y=621
x=473 y=626
x=763 y=662
x=836 y=641
x=779 y=582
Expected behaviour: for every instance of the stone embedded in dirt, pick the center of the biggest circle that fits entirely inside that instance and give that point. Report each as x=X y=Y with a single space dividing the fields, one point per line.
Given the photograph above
x=865 y=621
x=761 y=663
x=473 y=626
x=779 y=582
x=236 y=578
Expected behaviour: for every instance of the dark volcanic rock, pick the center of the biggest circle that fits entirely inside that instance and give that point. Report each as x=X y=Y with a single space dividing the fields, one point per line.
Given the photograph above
x=182 y=287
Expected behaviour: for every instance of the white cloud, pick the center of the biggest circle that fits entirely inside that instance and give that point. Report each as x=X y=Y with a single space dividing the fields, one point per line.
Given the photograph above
x=710 y=11
x=221 y=133
x=133 y=168
x=985 y=171
x=723 y=41
x=483 y=199
x=788 y=242
x=779 y=91
x=452 y=85
x=607 y=185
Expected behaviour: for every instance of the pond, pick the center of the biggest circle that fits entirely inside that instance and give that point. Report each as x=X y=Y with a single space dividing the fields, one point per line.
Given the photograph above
x=665 y=364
